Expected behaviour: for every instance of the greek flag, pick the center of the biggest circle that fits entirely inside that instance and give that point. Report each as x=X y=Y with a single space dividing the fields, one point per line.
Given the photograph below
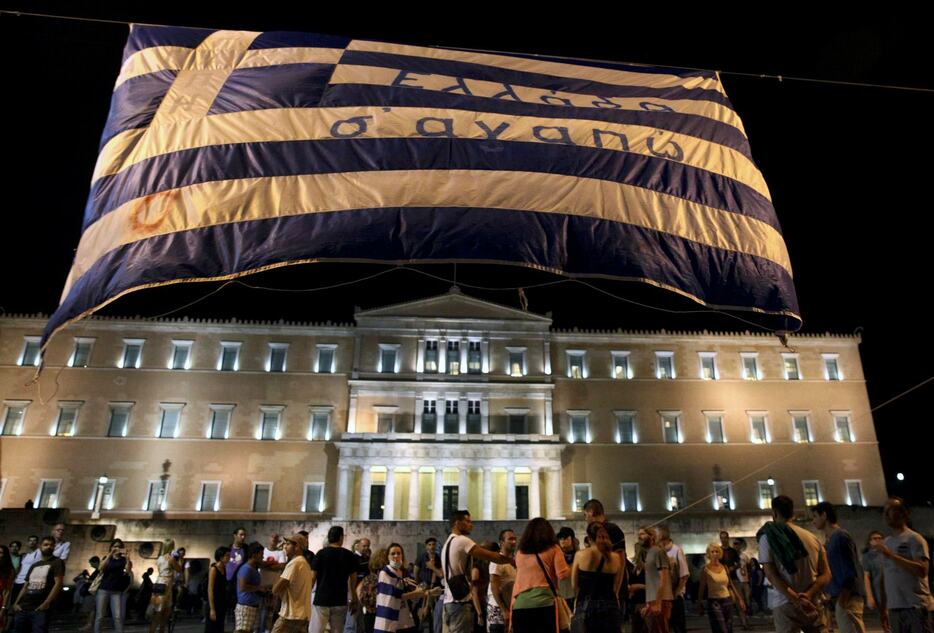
x=231 y=152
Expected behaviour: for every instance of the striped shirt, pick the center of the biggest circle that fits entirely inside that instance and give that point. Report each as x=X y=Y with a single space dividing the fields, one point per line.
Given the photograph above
x=391 y=610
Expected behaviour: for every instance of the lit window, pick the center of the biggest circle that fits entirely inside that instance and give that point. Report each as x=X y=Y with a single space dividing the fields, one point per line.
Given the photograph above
x=269 y=422
x=170 y=422
x=723 y=495
x=454 y=358
x=49 y=490
x=325 y=363
x=812 y=494
x=431 y=357
x=320 y=424
x=81 y=355
x=715 y=433
x=313 y=500
x=629 y=497
x=388 y=358
x=854 y=493
x=14 y=413
x=66 y=424
x=577 y=366
x=758 y=429
x=132 y=353
x=474 y=417
x=220 y=421
x=156 y=496
x=181 y=355
x=671 y=427
x=801 y=429
x=579 y=423
x=230 y=356
x=675 y=496
x=832 y=367
x=31 y=352
x=516 y=366
x=792 y=371
x=451 y=417
x=278 y=353
x=625 y=427
x=119 y=419
x=766 y=494
x=430 y=417
x=581 y=495
x=474 y=357
x=262 y=494
x=665 y=365
x=842 y=431
x=107 y=494
x=708 y=365
x=750 y=366
x=210 y=498
x=621 y=367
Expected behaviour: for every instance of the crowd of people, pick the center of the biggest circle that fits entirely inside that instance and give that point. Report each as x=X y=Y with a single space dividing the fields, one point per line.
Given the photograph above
x=534 y=582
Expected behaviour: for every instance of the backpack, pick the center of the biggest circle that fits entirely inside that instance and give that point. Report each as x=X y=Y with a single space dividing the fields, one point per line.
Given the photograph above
x=368 y=591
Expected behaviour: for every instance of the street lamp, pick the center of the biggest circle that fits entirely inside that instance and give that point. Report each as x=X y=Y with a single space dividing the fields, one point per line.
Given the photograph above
x=770 y=481
x=101 y=484
x=900 y=476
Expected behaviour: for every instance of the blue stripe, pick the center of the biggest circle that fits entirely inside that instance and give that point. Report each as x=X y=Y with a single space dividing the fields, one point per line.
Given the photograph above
x=468 y=70
x=287 y=86
x=577 y=245
x=142 y=37
x=340 y=95
x=292 y=39
x=135 y=101
x=253 y=160
x=382 y=611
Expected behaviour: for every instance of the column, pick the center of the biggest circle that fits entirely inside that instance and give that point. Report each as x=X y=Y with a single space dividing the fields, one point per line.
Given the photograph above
x=437 y=504
x=464 y=345
x=413 y=494
x=442 y=356
x=389 y=501
x=462 y=488
x=487 y=500
x=485 y=355
x=364 y=508
x=419 y=409
x=553 y=493
x=549 y=421
x=357 y=343
x=352 y=414
x=547 y=350
x=535 y=495
x=343 y=491
x=420 y=359
x=484 y=416
x=462 y=415
x=511 y=493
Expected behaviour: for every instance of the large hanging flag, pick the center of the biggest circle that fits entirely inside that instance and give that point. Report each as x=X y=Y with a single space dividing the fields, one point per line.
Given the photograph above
x=230 y=152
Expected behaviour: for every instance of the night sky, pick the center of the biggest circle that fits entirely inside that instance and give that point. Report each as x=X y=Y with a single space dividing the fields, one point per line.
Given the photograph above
x=846 y=165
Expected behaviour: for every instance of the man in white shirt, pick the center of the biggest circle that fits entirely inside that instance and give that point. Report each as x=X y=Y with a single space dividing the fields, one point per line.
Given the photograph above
x=499 y=592
x=678 y=566
x=294 y=588
x=274 y=560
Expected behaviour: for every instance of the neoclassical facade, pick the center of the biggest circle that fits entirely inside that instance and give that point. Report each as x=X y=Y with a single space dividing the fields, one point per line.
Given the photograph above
x=420 y=408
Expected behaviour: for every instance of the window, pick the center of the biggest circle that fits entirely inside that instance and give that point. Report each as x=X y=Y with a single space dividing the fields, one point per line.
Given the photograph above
x=629 y=498
x=625 y=427
x=210 y=498
x=320 y=430
x=66 y=423
x=758 y=429
x=671 y=427
x=230 y=356
x=766 y=494
x=708 y=365
x=31 y=352
x=451 y=417
x=577 y=367
x=107 y=495
x=474 y=357
x=14 y=413
x=81 y=355
x=170 y=422
x=430 y=417
x=132 y=353
x=832 y=367
x=119 y=419
x=49 y=490
x=220 y=421
x=842 y=431
x=675 y=496
x=854 y=493
x=792 y=371
x=450 y=500
x=388 y=358
x=474 y=417
x=580 y=496
x=621 y=368
x=517 y=421
x=156 y=496
x=723 y=495
x=517 y=366
x=812 y=495
x=431 y=357
x=385 y=422
x=665 y=365
x=578 y=423
x=181 y=355
x=325 y=363
x=262 y=493
x=269 y=423
x=313 y=501
x=715 y=433
x=278 y=353
x=750 y=366
x=801 y=429
x=454 y=358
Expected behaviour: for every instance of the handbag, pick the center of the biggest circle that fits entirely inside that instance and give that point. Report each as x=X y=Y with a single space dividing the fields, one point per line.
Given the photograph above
x=96 y=581
x=562 y=610
x=458 y=583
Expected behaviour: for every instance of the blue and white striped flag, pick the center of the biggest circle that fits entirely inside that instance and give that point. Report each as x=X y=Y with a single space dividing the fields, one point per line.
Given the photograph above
x=229 y=152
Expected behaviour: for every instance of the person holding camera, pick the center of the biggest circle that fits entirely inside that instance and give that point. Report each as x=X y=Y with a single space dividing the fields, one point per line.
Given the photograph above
x=115 y=579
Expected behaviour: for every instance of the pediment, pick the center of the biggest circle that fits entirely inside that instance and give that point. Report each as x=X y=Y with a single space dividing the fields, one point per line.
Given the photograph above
x=452 y=305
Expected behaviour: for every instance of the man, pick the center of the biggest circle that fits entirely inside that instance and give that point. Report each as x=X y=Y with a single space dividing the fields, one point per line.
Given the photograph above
x=237 y=555
x=658 y=593
x=274 y=560
x=15 y=556
x=43 y=582
x=595 y=513
x=307 y=553
x=795 y=563
x=846 y=584
x=499 y=593
x=730 y=558
x=249 y=591
x=60 y=549
x=458 y=614
x=428 y=574
x=361 y=549
x=294 y=587
x=679 y=574
x=906 y=595
x=88 y=600
x=333 y=577
x=567 y=541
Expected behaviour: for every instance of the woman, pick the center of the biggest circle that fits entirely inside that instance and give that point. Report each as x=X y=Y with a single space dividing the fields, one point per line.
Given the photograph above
x=716 y=584
x=7 y=574
x=539 y=565
x=115 y=575
x=596 y=576
x=392 y=599
x=368 y=588
x=479 y=585
x=217 y=591
x=167 y=566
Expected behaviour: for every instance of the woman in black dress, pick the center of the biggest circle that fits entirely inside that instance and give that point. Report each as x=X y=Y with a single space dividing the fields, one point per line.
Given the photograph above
x=217 y=592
